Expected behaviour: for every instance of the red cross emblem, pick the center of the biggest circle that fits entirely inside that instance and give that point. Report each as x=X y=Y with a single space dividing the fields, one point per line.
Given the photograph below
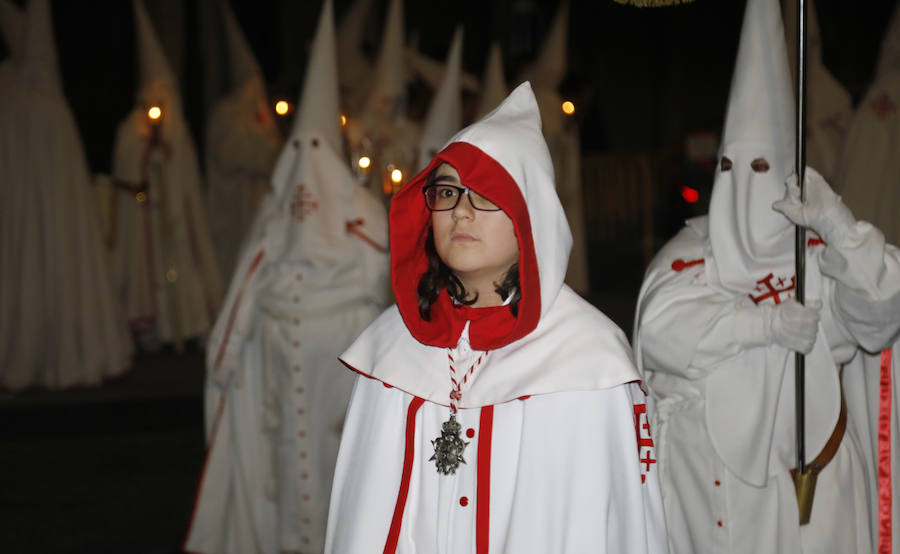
x=883 y=106
x=644 y=441
x=774 y=291
x=302 y=204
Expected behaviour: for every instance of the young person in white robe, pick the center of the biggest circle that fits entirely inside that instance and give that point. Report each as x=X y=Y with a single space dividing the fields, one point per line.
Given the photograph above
x=242 y=143
x=717 y=330
x=166 y=275
x=312 y=275
x=59 y=323
x=494 y=410
x=868 y=173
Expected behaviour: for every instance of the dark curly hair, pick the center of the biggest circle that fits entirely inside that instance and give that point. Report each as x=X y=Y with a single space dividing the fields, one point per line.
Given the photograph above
x=439 y=276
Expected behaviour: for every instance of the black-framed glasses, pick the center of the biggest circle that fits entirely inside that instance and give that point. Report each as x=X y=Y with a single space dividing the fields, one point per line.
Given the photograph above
x=442 y=198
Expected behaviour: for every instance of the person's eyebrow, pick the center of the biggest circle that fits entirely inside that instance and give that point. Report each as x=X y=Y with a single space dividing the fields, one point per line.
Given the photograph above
x=446 y=178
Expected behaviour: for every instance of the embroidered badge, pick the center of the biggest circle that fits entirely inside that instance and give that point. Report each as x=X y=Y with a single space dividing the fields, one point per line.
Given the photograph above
x=773 y=290
x=883 y=106
x=303 y=203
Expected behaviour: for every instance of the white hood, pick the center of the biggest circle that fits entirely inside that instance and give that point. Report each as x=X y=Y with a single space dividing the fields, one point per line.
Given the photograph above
x=503 y=157
x=242 y=62
x=444 y=116
x=493 y=84
x=389 y=80
x=39 y=62
x=748 y=239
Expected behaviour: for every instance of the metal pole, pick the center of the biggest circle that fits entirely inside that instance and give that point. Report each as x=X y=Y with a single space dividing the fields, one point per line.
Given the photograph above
x=800 y=232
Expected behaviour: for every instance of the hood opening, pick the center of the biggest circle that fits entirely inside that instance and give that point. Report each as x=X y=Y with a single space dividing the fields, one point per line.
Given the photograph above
x=410 y=219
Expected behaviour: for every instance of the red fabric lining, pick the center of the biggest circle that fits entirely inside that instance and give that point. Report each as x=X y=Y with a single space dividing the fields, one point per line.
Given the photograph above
x=234 y=308
x=209 y=449
x=483 y=487
x=409 y=222
x=884 y=455
x=393 y=537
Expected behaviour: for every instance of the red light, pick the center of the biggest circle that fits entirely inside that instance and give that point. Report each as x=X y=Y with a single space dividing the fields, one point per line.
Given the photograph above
x=690 y=195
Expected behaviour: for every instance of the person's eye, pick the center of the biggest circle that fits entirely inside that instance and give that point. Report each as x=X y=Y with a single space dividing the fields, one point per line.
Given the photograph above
x=446 y=192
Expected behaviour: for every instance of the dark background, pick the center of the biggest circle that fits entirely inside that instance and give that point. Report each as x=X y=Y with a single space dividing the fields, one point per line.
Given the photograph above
x=113 y=469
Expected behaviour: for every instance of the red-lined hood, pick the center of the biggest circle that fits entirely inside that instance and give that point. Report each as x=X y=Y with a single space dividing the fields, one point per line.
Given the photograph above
x=503 y=157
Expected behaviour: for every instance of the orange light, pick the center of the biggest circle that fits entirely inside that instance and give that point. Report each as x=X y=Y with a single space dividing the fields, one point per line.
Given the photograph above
x=568 y=107
x=282 y=107
x=690 y=195
x=154 y=113
x=364 y=162
x=396 y=175
x=343 y=120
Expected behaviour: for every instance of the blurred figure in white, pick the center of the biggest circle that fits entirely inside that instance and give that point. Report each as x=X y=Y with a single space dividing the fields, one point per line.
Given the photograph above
x=59 y=326
x=383 y=142
x=546 y=74
x=311 y=276
x=167 y=277
x=444 y=117
x=829 y=107
x=354 y=70
x=242 y=142
x=868 y=170
x=868 y=178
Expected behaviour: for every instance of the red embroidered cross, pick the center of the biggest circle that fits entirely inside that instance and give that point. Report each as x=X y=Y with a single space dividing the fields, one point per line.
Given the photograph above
x=642 y=432
x=302 y=204
x=883 y=106
x=769 y=290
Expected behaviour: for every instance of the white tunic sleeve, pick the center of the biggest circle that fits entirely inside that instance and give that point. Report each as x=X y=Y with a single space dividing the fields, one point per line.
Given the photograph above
x=867 y=293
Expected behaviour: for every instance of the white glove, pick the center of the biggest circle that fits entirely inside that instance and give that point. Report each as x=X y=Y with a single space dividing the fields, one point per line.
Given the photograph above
x=823 y=211
x=792 y=325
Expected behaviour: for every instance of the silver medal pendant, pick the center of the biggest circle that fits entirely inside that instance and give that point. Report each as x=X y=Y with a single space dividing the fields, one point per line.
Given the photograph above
x=448 y=448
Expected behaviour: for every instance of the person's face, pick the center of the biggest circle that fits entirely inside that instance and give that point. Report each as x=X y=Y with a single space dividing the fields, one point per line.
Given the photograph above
x=478 y=246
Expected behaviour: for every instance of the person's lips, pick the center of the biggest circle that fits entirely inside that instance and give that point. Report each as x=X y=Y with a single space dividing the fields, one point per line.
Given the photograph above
x=462 y=237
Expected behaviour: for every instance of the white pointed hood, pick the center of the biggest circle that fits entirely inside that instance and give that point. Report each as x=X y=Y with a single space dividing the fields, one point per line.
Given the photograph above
x=747 y=238
x=548 y=70
x=493 y=84
x=157 y=83
x=389 y=80
x=889 y=56
x=242 y=62
x=503 y=157
x=353 y=67
x=829 y=105
x=39 y=62
x=444 y=116
x=317 y=113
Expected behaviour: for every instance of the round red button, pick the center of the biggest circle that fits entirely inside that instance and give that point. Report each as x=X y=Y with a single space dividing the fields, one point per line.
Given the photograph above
x=719 y=523
x=463 y=501
x=470 y=432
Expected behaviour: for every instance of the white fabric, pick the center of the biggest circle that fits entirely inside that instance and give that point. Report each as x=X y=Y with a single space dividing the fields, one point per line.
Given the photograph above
x=552 y=455
x=725 y=409
x=548 y=492
x=242 y=141
x=444 y=116
x=166 y=275
x=353 y=67
x=59 y=325
x=312 y=274
x=868 y=169
x=12 y=23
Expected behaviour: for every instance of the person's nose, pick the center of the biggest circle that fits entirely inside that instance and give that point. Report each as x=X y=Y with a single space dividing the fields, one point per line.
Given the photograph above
x=463 y=209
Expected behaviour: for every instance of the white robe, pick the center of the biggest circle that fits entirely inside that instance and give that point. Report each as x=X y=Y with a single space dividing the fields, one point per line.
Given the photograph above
x=526 y=484
x=683 y=342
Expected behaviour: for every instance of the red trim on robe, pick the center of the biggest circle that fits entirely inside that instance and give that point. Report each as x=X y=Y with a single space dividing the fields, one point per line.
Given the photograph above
x=483 y=487
x=680 y=265
x=234 y=308
x=884 y=455
x=353 y=229
x=209 y=450
x=390 y=546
